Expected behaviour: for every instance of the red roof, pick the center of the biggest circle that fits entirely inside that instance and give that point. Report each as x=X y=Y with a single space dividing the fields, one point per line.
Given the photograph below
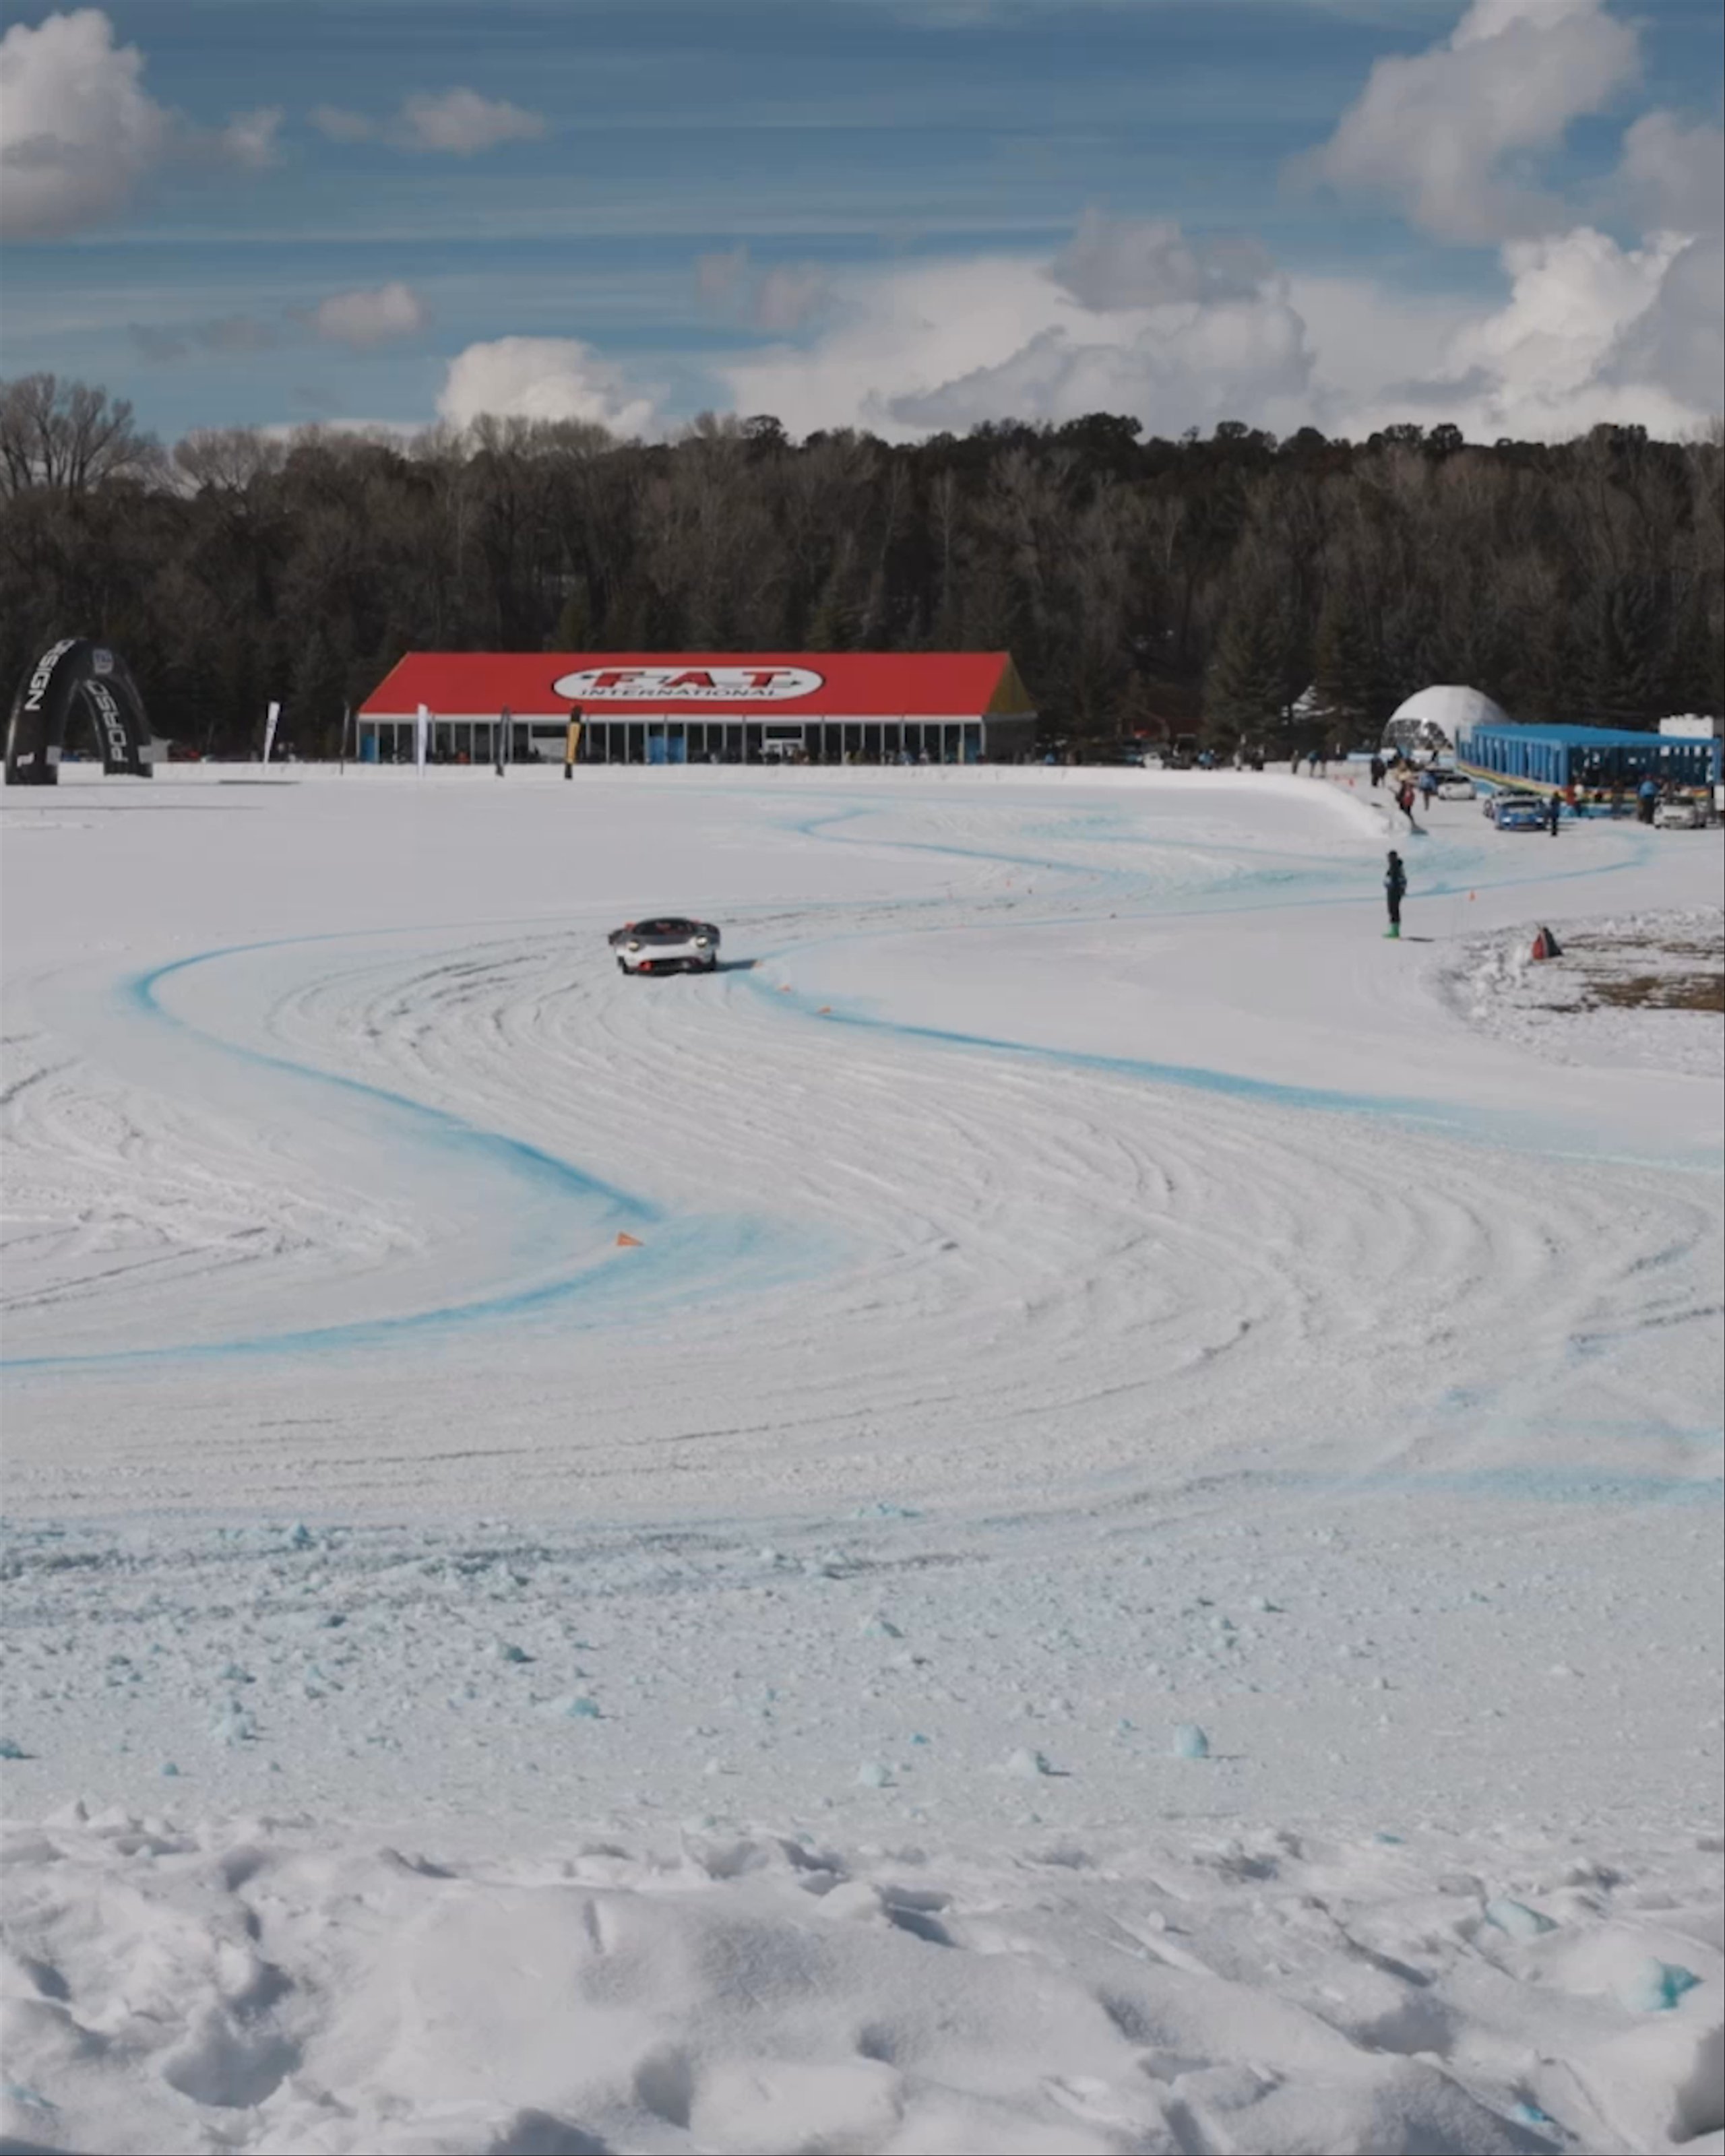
x=787 y=685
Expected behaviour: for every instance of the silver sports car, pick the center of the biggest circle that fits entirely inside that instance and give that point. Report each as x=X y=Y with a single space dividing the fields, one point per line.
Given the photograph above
x=667 y=945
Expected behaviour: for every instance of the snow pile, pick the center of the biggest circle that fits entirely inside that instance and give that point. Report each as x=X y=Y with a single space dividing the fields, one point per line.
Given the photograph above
x=256 y=1985
x=1602 y=1002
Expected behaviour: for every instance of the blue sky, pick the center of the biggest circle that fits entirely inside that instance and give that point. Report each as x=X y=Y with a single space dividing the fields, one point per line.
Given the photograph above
x=690 y=206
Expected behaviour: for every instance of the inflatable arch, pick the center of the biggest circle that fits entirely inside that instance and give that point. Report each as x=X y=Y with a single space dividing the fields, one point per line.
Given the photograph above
x=77 y=675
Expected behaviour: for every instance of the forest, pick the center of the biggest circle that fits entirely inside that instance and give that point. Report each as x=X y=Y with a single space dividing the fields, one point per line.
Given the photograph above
x=1145 y=587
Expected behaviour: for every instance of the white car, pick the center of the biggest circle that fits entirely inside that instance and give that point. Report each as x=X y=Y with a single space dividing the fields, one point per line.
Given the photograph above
x=1681 y=811
x=668 y=944
x=1455 y=785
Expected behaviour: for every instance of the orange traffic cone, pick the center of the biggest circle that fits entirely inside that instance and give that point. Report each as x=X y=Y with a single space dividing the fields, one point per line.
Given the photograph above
x=627 y=1242
x=825 y=1011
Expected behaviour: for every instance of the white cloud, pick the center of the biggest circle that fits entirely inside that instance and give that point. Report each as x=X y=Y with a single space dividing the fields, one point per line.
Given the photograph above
x=946 y=344
x=249 y=137
x=779 y=301
x=368 y=318
x=1675 y=176
x=462 y=122
x=456 y=123
x=1432 y=134
x=1109 y=263
x=519 y=378
x=1568 y=350
x=79 y=133
x=78 y=128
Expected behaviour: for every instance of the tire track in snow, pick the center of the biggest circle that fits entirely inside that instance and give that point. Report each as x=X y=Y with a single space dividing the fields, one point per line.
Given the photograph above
x=684 y=1252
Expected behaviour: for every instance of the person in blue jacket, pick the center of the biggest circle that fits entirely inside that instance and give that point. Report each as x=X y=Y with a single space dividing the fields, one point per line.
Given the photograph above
x=1395 y=884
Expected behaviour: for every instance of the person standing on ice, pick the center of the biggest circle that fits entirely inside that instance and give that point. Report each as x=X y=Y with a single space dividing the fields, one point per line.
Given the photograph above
x=1395 y=884
x=1378 y=767
x=1553 y=809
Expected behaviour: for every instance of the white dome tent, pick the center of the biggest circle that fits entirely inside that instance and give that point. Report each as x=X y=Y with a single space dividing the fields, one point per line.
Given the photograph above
x=1432 y=721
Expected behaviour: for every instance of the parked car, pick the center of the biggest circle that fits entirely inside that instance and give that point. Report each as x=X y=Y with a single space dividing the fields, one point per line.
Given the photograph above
x=1455 y=785
x=668 y=944
x=1680 y=812
x=1522 y=812
x=1495 y=803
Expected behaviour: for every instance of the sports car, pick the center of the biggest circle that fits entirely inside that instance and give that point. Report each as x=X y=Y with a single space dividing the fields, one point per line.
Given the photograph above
x=667 y=944
x=1494 y=804
x=1680 y=812
x=1522 y=812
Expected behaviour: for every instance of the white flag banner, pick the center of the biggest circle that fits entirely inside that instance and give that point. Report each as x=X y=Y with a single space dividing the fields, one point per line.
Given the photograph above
x=422 y=737
x=269 y=731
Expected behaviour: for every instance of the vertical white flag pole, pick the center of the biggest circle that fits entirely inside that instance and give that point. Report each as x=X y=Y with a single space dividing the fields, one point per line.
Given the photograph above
x=422 y=734
x=269 y=731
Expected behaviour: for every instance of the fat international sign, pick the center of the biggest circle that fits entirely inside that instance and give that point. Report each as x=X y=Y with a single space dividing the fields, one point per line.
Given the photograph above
x=681 y=683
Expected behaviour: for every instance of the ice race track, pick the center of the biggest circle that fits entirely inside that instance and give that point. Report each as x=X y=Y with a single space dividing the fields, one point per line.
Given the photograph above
x=1074 y=1508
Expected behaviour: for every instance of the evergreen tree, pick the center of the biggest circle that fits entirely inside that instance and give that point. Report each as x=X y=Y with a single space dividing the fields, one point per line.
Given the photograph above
x=1348 y=671
x=1245 y=688
x=1629 y=653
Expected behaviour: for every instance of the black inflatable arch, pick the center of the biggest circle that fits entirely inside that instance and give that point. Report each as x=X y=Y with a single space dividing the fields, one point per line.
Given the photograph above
x=77 y=676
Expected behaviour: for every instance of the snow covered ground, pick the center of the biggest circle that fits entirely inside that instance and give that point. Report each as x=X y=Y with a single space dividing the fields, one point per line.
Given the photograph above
x=1125 y=1559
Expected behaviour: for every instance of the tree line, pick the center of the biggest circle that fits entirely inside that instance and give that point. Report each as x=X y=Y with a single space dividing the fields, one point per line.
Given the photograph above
x=1145 y=587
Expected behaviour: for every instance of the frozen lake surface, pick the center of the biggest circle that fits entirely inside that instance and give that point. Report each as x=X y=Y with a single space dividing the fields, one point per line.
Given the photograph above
x=1126 y=1557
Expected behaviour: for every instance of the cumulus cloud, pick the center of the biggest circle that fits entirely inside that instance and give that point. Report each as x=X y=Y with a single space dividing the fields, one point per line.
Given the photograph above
x=1674 y=174
x=779 y=301
x=79 y=133
x=456 y=123
x=1109 y=263
x=78 y=128
x=1571 y=348
x=1433 y=133
x=519 y=378
x=366 y=319
x=947 y=344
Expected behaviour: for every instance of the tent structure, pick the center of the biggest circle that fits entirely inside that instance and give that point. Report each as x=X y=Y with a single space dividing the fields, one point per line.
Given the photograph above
x=77 y=680
x=1432 y=721
x=681 y=707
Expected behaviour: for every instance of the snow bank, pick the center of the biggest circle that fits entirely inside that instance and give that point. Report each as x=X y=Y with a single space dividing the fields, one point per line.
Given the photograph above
x=258 y=1984
x=1565 y=1010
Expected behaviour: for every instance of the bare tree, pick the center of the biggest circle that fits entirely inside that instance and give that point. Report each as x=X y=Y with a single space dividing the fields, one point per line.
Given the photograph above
x=68 y=437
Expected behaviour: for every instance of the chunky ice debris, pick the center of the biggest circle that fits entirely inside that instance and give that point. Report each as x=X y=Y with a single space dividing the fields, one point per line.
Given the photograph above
x=875 y=1775
x=10 y=1748
x=1190 y=1741
x=1517 y=1918
x=1656 y=1986
x=506 y=1650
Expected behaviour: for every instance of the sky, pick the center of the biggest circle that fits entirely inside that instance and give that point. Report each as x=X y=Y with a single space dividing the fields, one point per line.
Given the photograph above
x=905 y=215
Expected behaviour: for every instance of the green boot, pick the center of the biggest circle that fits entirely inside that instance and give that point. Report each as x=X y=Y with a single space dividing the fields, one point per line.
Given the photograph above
x=1393 y=933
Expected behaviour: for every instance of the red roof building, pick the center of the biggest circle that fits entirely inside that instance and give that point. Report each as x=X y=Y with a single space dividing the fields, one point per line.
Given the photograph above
x=674 y=707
